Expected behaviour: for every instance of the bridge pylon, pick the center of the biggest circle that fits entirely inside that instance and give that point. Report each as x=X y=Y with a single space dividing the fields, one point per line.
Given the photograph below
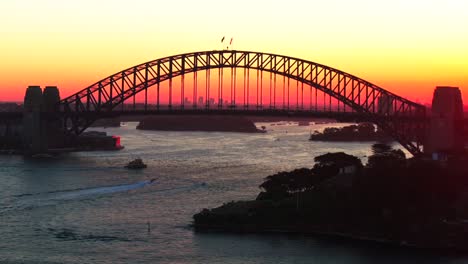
x=445 y=129
x=41 y=130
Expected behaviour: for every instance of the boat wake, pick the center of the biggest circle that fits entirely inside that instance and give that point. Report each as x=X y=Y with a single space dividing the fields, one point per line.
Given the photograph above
x=29 y=201
x=70 y=195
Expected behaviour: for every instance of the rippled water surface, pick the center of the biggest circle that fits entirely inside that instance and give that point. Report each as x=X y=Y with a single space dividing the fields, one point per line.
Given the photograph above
x=86 y=208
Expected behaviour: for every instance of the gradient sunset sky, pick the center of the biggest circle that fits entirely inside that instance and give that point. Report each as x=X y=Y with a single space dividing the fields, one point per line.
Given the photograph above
x=405 y=46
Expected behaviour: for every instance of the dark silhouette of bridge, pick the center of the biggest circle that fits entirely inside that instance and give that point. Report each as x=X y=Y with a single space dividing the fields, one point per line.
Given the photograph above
x=283 y=86
x=230 y=82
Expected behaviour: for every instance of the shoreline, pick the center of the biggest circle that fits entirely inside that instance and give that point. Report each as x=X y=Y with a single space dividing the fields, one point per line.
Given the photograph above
x=317 y=231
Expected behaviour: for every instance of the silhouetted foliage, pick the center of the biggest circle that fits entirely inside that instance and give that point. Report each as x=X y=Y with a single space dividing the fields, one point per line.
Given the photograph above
x=384 y=156
x=416 y=200
x=283 y=184
x=359 y=132
x=336 y=159
x=391 y=198
x=380 y=148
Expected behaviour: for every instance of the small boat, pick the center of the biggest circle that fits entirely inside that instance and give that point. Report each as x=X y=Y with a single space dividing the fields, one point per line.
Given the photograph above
x=136 y=164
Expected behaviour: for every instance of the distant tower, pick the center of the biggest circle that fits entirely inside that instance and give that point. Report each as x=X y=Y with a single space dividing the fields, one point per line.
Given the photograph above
x=41 y=128
x=52 y=125
x=32 y=125
x=51 y=98
x=445 y=133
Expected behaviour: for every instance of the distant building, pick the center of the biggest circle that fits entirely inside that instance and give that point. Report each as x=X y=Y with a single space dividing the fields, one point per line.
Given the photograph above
x=200 y=100
x=348 y=170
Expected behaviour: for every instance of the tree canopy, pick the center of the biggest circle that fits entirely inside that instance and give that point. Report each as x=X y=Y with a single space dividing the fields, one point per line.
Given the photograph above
x=337 y=159
x=384 y=156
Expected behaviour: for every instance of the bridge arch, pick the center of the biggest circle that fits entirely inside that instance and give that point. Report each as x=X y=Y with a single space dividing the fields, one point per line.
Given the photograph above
x=381 y=106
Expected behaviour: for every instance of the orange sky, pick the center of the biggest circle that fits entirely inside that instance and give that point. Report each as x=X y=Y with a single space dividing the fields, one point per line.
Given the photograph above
x=407 y=47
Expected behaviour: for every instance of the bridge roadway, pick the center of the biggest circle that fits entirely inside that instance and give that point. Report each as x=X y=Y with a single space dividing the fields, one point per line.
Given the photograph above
x=164 y=110
x=404 y=121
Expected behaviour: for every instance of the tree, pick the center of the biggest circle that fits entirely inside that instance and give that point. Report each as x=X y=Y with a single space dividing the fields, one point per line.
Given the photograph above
x=366 y=128
x=336 y=159
x=329 y=165
x=284 y=184
x=384 y=157
x=330 y=130
x=380 y=148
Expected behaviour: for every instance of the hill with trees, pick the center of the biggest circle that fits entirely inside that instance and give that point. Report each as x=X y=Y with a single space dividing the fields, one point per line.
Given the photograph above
x=413 y=202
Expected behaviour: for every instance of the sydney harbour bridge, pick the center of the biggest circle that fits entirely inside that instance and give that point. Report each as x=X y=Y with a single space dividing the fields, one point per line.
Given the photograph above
x=235 y=82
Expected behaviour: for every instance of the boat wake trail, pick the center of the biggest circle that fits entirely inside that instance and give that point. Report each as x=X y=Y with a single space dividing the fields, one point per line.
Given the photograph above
x=76 y=194
x=29 y=201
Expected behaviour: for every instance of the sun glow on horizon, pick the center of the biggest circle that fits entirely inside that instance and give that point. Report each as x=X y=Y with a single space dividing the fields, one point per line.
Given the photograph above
x=406 y=47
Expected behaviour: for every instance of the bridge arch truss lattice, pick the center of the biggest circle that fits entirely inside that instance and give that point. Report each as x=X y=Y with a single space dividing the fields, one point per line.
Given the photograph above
x=402 y=119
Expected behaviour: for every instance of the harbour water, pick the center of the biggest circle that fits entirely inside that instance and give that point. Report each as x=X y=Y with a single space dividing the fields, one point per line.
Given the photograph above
x=87 y=208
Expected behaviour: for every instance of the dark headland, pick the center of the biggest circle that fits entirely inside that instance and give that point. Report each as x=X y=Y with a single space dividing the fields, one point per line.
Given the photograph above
x=407 y=202
x=198 y=123
x=359 y=132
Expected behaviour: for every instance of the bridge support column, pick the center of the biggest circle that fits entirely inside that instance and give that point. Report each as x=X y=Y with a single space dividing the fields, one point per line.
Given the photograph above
x=445 y=131
x=41 y=129
x=53 y=125
x=33 y=130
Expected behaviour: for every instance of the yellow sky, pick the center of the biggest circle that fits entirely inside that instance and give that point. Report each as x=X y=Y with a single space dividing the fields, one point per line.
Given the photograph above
x=407 y=47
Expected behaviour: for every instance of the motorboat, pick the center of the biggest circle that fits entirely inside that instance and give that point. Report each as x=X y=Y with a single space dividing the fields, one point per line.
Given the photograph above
x=136 y=164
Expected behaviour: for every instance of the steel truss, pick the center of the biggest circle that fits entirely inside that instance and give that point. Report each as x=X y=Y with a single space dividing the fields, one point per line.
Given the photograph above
x=401 y=118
